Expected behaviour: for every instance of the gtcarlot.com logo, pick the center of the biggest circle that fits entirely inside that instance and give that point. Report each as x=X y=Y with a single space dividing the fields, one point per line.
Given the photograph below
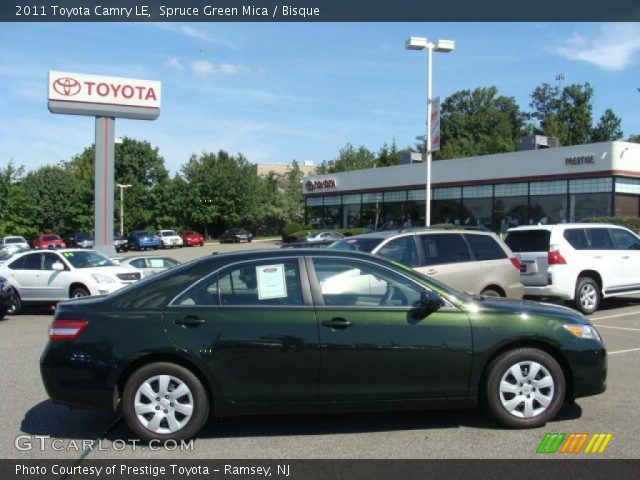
x=574 y=443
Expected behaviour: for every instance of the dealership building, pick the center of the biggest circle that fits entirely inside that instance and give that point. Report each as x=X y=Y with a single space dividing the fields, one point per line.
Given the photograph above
x=539 y=185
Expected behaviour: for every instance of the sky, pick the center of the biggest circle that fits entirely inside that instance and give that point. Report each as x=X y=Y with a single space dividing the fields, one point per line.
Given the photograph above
x=278 y=92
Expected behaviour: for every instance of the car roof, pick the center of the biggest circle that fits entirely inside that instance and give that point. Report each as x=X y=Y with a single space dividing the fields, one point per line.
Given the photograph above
x=524 y=228
x=383 y=234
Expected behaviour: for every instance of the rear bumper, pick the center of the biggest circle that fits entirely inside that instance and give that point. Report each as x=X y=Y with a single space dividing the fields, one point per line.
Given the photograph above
x=548 y=291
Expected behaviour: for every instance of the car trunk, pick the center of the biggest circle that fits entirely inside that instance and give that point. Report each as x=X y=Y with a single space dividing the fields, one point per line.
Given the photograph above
x=532 y=249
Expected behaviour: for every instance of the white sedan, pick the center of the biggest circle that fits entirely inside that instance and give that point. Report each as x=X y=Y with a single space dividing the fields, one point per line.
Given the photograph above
x=169 y=239
x=323 y=236
x=46 y=277
x=13 y=244
x=148 y=265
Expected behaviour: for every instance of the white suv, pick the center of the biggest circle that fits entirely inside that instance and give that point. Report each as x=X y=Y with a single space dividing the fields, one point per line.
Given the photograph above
x=168 y=239
x=583 y=262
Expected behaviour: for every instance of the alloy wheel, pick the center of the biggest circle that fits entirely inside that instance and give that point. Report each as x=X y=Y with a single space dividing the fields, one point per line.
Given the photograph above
x=588 y=296
x=163 y=404
x=526 y=389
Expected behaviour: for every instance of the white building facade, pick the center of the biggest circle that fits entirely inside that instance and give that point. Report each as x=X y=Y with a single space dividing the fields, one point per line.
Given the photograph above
x=554 y=185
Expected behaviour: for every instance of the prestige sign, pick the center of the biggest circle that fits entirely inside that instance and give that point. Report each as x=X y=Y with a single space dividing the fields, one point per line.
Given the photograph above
x=76 y=87
x=580 y=160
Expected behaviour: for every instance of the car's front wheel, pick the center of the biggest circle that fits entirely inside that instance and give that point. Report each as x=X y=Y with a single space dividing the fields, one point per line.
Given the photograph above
x=525 y=388
x=165 y=401
x=16 y=303
x=79 y=292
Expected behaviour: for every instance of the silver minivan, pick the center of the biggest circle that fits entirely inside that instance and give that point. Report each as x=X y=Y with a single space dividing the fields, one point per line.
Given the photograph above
x=472 y=261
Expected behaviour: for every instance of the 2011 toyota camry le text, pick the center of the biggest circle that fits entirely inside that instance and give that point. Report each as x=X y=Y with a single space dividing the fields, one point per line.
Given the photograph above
x=309 y=330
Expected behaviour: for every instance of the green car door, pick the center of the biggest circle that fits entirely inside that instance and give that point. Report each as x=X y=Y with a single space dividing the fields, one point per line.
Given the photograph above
x=376 y=345
x=253 y=324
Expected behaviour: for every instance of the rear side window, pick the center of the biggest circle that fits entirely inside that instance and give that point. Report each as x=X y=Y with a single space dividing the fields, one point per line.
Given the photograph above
x=139 y=263
x=577 y=238
x=529 y=241
x=17 y=264
x=445 y=248
x=485 y=247
x=402 y=250
x=599 y=239
x=32 y=262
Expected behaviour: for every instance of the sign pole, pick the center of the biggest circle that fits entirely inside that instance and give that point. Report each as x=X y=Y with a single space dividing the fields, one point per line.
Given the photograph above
x=104 y=179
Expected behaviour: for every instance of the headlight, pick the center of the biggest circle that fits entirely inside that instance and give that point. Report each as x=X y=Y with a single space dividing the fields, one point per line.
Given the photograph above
x=582 y=331
x=102 y=278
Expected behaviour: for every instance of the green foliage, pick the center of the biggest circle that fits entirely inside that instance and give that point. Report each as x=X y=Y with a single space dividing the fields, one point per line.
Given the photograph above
x=632 y=223
x=348 y=232
x=289 y=229
x=608 y=128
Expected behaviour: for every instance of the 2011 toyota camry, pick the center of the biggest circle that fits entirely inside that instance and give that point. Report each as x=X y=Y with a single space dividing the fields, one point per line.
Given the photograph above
x=311 y=331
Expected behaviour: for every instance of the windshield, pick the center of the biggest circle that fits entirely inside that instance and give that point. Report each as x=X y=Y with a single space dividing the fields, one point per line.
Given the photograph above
x=168 y=233
x=50 y=238
x=14 y=240
x=357 y=244
x=87 y=259
x=190 y=232
x=142 y=234
x=5 y=255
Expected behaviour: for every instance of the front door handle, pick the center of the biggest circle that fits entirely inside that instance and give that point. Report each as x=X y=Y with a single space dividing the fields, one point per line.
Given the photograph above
x=336 y=323
x=626 y=257
x=598 y=257
x=189 y=321
x=432 y=271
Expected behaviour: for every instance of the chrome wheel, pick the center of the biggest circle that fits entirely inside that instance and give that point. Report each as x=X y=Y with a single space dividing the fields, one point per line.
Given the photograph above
x=526 y=389
x=163 y=404
x=588 y=295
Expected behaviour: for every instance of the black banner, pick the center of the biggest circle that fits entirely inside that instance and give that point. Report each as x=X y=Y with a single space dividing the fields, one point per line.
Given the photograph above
x=316 y=10
x=583 y=469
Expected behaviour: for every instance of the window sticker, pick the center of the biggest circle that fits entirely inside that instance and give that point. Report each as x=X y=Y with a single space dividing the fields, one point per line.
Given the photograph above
x=271 y=281
x=68 y=254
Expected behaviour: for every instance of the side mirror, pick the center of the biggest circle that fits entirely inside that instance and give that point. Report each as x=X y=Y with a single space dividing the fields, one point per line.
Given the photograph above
x=58 y=266
x=116 y=262
x=431 y=301
x=634 y=246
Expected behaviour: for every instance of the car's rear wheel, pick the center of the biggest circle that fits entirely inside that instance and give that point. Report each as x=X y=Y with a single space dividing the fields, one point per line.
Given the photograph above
x=165 y=401
x=16 y=303
x=587 y=297
x=2 y=314
x=525 y=388
x=79 y=292
x=491 y=292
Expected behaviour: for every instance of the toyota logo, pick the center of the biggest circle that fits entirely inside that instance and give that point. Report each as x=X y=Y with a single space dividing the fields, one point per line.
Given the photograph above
x=66 y=86
x=310 y=186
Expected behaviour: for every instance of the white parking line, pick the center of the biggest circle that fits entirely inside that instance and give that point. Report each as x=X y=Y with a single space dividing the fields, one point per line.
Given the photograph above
x=617 y=328
x=624 y=351
x=618 y=315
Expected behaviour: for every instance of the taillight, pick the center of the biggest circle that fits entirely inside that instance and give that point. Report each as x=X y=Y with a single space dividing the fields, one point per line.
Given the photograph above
x=554 y=257
x=516 y=263
x=66 y=329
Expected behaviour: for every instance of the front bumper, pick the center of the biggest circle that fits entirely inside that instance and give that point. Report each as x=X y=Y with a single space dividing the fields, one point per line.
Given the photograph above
x=588 y=369
x=6 y=298
x=106 y=288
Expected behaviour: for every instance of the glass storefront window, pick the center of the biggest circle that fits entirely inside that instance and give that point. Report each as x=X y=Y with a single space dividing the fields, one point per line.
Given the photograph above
x=478 y=211
x=512 y=189
x=627 y=205
x=583 y=205
x=548 y=209
x=333 y=216
x=351 y=216
x=448 y=211
x=590 y=185
x=555 y=187
x=315 y=216
x=510 y=212
x=371 y=213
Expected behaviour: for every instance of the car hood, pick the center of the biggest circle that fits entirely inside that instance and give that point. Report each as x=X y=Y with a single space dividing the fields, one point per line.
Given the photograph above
x=113 y=270
x=529 y=307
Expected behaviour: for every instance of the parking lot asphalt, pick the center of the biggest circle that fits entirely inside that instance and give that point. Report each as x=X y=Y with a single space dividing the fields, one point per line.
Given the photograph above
x=28 y=413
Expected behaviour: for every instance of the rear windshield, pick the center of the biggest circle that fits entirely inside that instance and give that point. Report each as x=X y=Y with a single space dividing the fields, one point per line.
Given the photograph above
x=358 y=244
x=50 y=238
x=529 y=241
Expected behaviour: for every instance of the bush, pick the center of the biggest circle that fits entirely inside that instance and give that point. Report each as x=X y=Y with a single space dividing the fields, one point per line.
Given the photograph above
x=298 y=236
x=289 y=229
x=348 y=232
x=632 y=223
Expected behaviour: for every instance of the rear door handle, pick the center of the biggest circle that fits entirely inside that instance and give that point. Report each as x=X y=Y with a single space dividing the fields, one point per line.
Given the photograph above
x=431 y=271
x=598 y=257
x=189 y=321
x=627 y=257
x=336 y=323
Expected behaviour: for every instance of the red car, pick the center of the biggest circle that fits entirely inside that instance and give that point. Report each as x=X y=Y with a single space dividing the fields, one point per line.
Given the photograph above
x=191 y=238
x=48 y=240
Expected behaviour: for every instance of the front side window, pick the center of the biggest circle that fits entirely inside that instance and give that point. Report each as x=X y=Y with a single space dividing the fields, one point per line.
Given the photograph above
x=444 y=248
x=138 y=263
x=260 y=283
x=402 y=250
x=352 y=283
x=625 y=240
x=49 y=260
x=485 y=247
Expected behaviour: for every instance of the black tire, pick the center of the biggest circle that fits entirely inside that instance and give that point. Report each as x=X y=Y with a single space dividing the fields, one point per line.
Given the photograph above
x=79 y=292
x=587 y=296
x=16 y=304
x=2 y=314
x=500 y=367
x=199 y=395
x=491 y=292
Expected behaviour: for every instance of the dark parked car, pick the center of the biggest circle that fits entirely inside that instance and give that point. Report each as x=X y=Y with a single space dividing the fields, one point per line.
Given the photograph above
x=310 y=329
x=141 y=240
x=236 y=235
x=6 y=297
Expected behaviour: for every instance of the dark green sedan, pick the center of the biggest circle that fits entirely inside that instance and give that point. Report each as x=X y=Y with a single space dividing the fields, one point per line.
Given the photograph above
x=312 y=331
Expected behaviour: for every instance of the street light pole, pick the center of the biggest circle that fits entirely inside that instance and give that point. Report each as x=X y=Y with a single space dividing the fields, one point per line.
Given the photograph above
x=122 y=187
x=445 y=46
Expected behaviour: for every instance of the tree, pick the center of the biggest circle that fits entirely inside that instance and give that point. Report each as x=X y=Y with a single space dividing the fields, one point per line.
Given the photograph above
x=608 y=128
x=633 y=139
x=566 y=114
x=349 y=158
x=479 y=122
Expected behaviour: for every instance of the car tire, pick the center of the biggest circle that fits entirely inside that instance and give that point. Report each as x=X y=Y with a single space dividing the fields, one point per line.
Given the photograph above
x=16 y=304
x=79 y=292
x=2 y=314
x=587 y=296
x=519 y=401
x=491 y=292
x=179 y=377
